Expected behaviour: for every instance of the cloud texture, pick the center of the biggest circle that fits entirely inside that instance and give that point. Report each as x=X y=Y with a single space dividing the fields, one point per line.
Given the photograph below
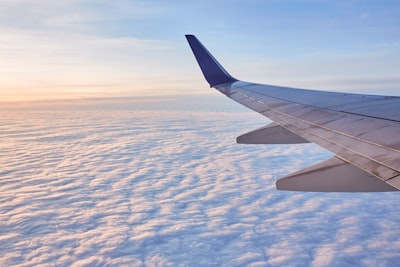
x=135 y=188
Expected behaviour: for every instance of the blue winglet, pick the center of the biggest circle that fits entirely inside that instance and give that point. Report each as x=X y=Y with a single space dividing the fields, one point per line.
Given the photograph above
x=213 y=71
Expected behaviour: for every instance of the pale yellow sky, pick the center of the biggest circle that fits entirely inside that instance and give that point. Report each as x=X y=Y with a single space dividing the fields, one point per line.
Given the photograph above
x=36 y=66
x=73 y=49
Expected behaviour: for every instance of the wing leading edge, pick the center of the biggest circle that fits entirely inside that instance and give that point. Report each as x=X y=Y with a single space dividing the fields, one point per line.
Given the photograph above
x=363 y=131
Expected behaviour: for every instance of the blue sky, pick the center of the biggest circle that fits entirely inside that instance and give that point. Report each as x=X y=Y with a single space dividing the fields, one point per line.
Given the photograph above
x=70 y=49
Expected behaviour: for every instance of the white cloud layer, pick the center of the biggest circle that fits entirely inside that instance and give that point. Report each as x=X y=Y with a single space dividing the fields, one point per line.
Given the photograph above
x=92 y=188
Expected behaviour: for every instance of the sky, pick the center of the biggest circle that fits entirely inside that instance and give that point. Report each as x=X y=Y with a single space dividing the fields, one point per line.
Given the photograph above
x=107 y=49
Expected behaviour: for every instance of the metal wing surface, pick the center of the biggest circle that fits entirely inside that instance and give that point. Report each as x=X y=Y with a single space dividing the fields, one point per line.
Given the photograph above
x=363 y=131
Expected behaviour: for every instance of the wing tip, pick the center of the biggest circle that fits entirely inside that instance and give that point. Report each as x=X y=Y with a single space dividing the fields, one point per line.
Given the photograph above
x=212 y=70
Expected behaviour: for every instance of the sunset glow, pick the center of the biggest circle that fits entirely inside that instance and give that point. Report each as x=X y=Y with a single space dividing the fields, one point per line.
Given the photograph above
x=73 y=49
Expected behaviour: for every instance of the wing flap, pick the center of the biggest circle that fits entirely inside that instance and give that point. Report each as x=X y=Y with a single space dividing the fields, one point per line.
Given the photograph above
x=316 y=125
x=271 y=134
x=333 y=175
x=395 y=182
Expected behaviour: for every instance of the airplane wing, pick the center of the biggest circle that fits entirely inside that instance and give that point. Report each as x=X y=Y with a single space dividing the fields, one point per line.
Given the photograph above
x=363 y=131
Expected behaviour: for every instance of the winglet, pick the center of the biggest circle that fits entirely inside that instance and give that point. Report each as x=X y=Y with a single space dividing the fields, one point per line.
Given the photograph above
x=213 y=71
